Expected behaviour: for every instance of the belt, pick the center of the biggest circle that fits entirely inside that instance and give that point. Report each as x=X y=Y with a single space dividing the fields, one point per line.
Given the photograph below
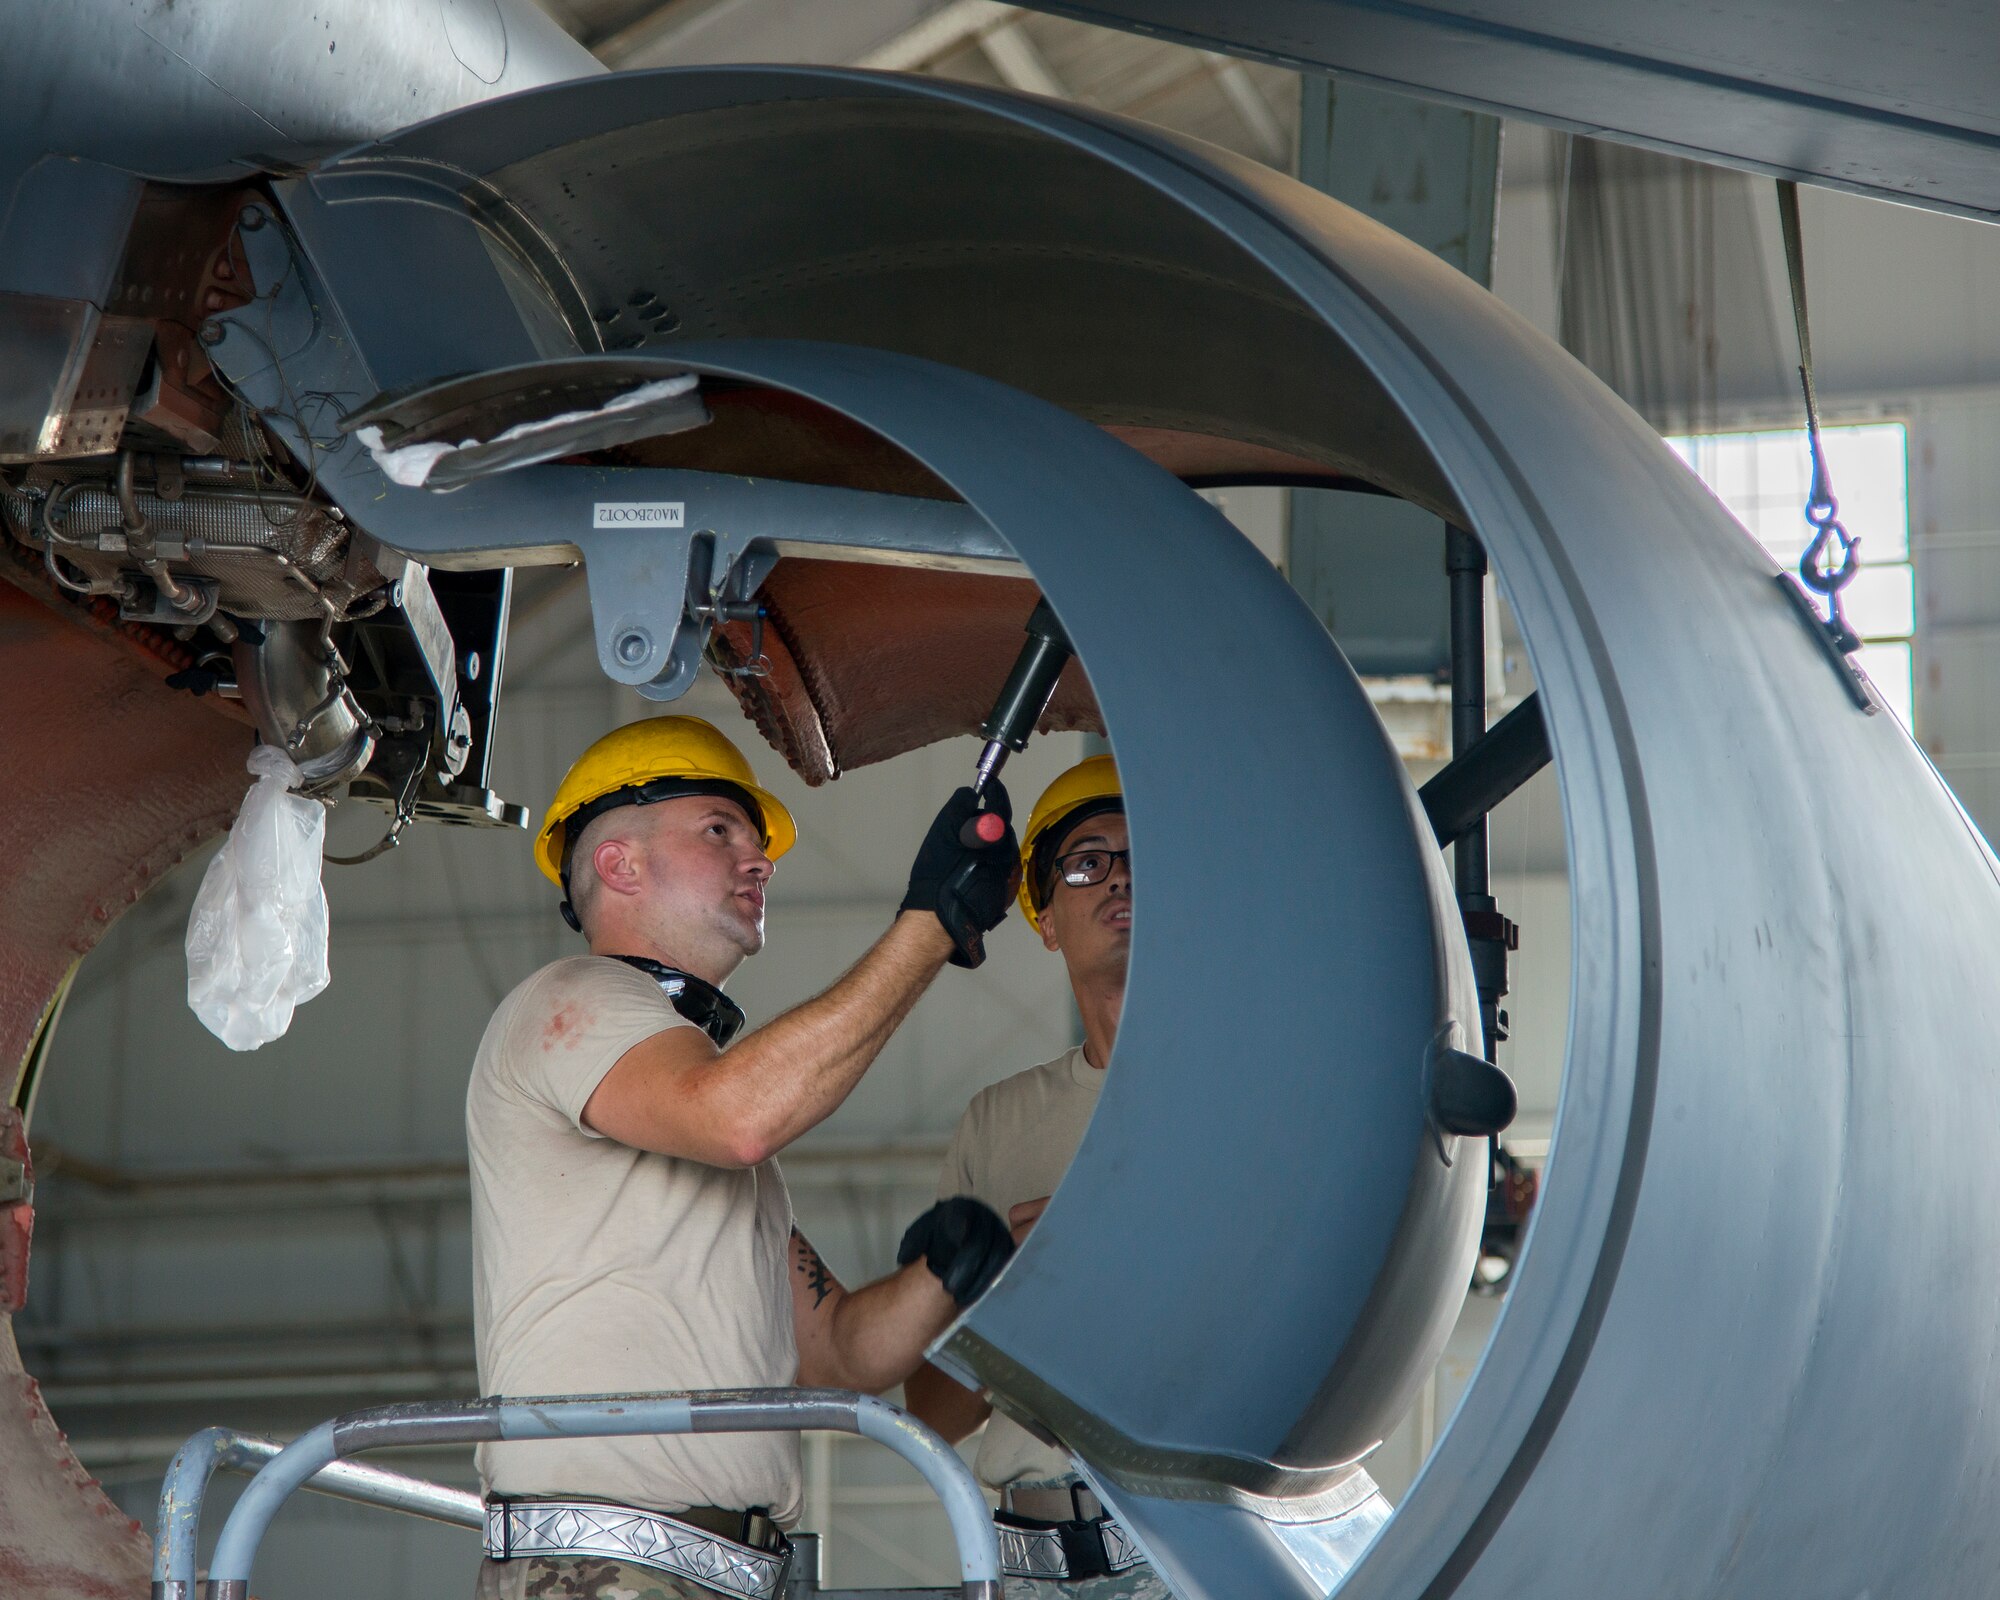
x=686 y=1544
x=1088 y=1543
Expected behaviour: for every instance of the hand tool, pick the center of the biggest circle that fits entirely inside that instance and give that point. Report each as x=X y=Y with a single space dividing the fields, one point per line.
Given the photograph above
x=1007 y=728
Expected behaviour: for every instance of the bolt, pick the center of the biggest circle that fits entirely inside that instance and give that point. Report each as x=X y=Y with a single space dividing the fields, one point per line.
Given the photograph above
x=250 y=218
x=213 y=333
x=472 y=666
x=633 y=646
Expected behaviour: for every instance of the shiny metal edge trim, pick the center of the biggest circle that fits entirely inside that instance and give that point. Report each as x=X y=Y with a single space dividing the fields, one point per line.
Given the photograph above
x=1265 y=1488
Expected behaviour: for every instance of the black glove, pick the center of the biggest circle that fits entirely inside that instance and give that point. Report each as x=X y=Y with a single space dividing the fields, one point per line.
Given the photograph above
x=963 y=1241
x=968 y=886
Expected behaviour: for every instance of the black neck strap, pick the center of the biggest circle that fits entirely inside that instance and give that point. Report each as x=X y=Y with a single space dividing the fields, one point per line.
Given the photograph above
x=706 y=1006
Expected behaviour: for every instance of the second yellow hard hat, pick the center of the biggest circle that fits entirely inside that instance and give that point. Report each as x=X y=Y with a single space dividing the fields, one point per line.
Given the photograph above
x=1091 y=779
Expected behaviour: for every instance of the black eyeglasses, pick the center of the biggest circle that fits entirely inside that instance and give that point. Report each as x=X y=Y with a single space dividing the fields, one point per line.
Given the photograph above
x=1081 y=868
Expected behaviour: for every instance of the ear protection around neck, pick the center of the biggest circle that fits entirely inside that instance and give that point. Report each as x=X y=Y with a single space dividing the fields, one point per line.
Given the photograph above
x=706 y=1006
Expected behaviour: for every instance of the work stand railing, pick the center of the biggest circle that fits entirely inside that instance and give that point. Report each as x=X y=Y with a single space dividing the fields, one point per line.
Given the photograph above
x=177 y=1533
x=317 y=1461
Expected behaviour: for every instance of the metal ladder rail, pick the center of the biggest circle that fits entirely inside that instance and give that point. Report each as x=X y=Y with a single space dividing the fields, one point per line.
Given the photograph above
x=177 y=1532
x=593 y=1416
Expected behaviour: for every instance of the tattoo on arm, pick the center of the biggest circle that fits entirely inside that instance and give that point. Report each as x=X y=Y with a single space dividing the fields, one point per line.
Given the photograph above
x=806 y=1261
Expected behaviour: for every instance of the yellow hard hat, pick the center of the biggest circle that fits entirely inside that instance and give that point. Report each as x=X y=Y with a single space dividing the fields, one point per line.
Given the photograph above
x=1093 y=778
x=684 y=748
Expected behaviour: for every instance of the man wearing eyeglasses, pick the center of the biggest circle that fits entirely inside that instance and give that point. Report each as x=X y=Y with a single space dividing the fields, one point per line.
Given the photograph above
x=1012 y=1147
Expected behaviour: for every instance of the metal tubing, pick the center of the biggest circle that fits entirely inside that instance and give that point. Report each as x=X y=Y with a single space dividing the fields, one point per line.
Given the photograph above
x=179 y=1524
x=950 y=1482
x=178 y=1530
x=376 y=1486
x=141 y=545
x=252 y=1514
x=1506 y=756
x=608 y=1416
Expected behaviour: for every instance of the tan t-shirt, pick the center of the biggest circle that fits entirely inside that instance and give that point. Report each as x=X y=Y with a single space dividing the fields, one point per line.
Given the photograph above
x=599 y=1268
x=1014 y=1143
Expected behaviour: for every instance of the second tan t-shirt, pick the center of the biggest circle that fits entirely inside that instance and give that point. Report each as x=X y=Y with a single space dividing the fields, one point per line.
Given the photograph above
x=600 y=1268
x=1014 y=1143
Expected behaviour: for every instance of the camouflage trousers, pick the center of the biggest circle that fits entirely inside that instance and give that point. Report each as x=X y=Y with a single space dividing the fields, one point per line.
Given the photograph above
x=582 y=1578
x=1134 y=1583
x=595 y=1578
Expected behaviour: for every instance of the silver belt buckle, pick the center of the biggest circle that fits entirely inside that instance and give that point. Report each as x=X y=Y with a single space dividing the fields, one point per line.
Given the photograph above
x=516 y=1528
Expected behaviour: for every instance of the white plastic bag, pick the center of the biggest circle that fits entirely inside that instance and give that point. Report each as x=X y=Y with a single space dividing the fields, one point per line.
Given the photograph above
x=256 y=940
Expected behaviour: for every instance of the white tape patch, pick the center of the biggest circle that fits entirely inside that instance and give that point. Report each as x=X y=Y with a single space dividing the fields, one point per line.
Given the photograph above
x=639 y=514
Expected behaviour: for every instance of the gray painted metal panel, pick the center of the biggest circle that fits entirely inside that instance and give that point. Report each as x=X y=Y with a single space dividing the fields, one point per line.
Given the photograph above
x=1735 y=969
x=1117 y=304
x=1751 y=1330
x=196 y=93
x=1892 y=99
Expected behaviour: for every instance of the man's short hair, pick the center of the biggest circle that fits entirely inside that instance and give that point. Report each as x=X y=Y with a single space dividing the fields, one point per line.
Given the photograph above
x=579 y=873
x=576 y=828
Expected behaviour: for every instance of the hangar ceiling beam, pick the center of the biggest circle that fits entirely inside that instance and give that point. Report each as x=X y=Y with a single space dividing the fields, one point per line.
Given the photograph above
x=1892 y=100
x=1241 y=90
x=1019 y=61
x=683 y=34
x=938 y=34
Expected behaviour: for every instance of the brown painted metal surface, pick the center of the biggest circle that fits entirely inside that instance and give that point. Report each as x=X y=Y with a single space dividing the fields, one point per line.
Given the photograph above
x=867 y=662
x=60 y=1538
x=111 y=778
x=17 y=1212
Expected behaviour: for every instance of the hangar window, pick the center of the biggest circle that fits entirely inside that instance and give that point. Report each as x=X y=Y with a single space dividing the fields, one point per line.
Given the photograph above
x=1762 y=477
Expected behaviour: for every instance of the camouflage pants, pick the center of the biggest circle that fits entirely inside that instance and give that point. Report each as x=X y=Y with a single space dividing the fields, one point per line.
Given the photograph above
x=1134 y=1583
x=582 y=1578
x=595 y=1578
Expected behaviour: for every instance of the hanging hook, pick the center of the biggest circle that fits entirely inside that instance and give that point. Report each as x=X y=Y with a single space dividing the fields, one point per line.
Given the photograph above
x=1833 y=558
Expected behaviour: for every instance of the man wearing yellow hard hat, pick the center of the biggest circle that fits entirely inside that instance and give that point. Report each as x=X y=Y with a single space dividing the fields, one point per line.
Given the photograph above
x=631 y=1230
x=1011 y=1149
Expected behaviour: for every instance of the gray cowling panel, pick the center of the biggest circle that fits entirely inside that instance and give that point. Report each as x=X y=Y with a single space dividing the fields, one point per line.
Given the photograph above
x=1748 y=1351
x=1111 y=301
x=1249 y=1055
x=1734 y=1360
x=220 y=91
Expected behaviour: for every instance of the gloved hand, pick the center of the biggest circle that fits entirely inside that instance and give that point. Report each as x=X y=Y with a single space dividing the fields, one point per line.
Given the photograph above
x=969 y=887
x=963 y=1241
